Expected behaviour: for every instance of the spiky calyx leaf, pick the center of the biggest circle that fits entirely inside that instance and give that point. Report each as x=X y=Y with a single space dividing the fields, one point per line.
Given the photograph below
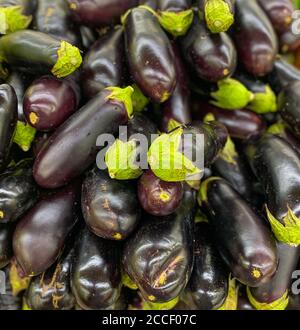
x=127 y=281
x=277 y=128
x=279 y=304
x=17 y=282
x=123 y=95
x=231 y=301
x=149 y=306
x=229 y=153
x=172 y=124
x=139 y=100
x=202 y=196
x=24 y=135
x=264 y=102
x=12 y=19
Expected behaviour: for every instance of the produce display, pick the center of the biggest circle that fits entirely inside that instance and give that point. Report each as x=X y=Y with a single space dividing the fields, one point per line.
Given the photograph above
x=149 y=154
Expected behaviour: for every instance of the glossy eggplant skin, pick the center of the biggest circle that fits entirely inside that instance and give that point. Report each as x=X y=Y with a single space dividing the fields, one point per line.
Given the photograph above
x=48 y=102
x=251 y=256
x=159 y=256
x=96 y=272
x=76 y=140
x=150 y=55
x=88 y=36
x=208 y=285
x=255 y=38
x=51 y=290
x=8 y=121
x=150 y=3
x=53 y=17
x=8 y=301
x=110 y=207
x=99 y=12
x=174 y=5
x=54 y=216
x=243 y=301
x=212 y=56
x=280 y=282
x=6 y=251
x=103 y=63
x=18 y=191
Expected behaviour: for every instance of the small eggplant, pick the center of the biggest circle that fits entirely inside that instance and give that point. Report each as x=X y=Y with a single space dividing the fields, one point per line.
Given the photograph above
x=41 y=234
x=95 y=274
x=251 y=256
x=6 y=251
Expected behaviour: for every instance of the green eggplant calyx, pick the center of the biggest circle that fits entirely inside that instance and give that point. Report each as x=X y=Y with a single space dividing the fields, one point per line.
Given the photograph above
x=123 y=95
x=200 y=217
x=173 y=124
x=166 y=162
x=229 y=153
x=218 y=16
x=128 y=282
x=209 y=117
x=68 y=60
x=202 y=196
x=231 y=95
x=165 y=306
x=139 y=100
x=277 y=128
x=120 y=160
x=264 y=102
x=176 y=23
x=288 y=230
x=12 y=19
x=25 y=306
x=18 y=283
x=231 y=301
x=24 y=135
x=279 y=304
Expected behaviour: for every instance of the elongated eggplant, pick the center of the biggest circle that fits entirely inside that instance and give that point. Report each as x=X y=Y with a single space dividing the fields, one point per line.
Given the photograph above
x=103 y=63
x=99 y=12
x=51 y=290
x=274 y=294
x=110 y=207
x=40 y=235
x=255 y=38
x=76 y=138
x=8 y=301
x=208 y=285
x=149 y=54
x=96 y=272
x=159 y=256
x=8 y=121
x=212 y=56
x=35 y=51
x=48 y=102
x=6 y=251
x=53 y=17
x=251 y=256
x=277 y=167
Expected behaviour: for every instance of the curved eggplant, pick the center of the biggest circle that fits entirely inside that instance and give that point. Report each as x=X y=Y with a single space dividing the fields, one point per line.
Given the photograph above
x=6 y=251
x=251 y=256
x=95 y=274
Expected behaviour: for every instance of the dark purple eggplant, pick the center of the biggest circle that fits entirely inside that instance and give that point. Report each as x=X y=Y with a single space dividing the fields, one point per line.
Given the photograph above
x=9 y=301
x=8 y=121
x=255 y=38
x=159 y=256
x=251 y=256
x=150 y=3
x=6 y=251
x=48 y=102
x=103 y=63
x=275 y=293
x=243 y=301
x=88 y=36
x=41 y=233
x=95 y=274
x=149 y=54
x=211 y=56
x=99 y=12
x=159 y=197
x=76 y=139
x=110 y=207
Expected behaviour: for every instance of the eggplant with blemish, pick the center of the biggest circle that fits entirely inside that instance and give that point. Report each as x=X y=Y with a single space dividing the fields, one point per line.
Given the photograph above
x=6 y=251
x=150 y=55
x=251 y=256
x=159 y=256
x=255 y=38
x=8 y=301
x=211 y=56
x=41 y=233
x=110 y=207
x=103 y=63
x=96 y=275
x=76 y=139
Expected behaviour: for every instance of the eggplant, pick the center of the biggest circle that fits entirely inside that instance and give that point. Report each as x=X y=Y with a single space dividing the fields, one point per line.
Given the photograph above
x=8 y=121
x=211 y=56
x=33 y=51
x=149 y=54
x=208 y=286
x=76 y=138
x=51 y=290
x=110 y=207
x=18 y=191
x=150 y=3
x=95 y=273
x=54 y=216
x=277 y=167
x=251 y=256
x=53 y=18
x=6 y=251
x=88 y=36
x=243 y=301
x=255 y=38
x=48 y=102
x=103 y=63
x=9 y=301
x=159 y=256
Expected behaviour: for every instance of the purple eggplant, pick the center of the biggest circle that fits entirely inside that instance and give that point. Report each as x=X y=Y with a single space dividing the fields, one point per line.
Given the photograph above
x=6 y=251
